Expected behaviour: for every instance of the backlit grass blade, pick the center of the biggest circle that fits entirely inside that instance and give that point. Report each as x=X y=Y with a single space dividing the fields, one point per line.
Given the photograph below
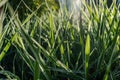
x=52 y=29
x=6 y=48
x=87 y=55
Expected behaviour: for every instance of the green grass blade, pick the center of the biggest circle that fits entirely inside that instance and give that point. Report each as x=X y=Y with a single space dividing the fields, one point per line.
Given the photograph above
x=87 y=54
x=9 y=75
x=7 y=46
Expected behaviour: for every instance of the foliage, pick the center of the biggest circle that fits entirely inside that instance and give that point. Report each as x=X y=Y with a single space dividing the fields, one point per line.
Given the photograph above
x=52 y=47
x=25 y=7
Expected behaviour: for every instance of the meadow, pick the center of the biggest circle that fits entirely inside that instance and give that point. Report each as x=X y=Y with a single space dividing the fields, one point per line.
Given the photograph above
x=55 y=47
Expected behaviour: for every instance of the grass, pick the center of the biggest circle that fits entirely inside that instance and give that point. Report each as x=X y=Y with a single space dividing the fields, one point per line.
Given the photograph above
x=53 y=47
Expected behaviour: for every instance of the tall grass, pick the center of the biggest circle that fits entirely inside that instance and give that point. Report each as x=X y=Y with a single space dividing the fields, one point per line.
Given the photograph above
x=55 y=48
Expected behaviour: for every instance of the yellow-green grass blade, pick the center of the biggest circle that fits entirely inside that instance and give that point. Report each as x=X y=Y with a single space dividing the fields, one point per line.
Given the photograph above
x=87 y=55
x=6 y=48
x=52 y=29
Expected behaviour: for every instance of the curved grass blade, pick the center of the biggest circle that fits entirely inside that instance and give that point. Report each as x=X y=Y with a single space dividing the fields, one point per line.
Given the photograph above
x=9 y=75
